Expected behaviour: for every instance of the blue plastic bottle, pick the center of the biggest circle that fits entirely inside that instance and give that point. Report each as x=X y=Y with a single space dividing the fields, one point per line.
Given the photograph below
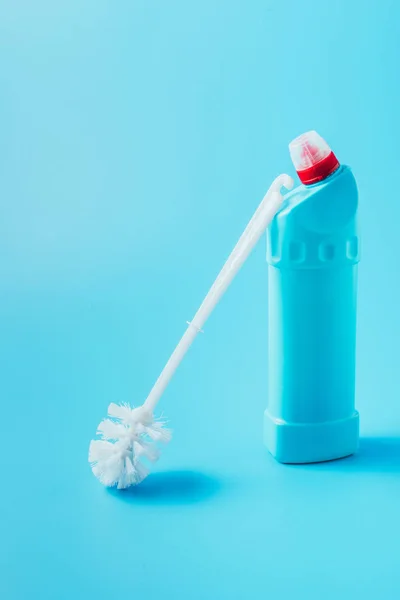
x=313 y=251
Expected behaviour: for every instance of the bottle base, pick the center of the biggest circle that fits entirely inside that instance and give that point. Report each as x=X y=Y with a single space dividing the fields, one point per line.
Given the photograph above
x=299 y=443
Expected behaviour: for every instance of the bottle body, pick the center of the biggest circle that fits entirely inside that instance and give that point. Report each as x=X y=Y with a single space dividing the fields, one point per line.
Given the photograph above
x=313 y=251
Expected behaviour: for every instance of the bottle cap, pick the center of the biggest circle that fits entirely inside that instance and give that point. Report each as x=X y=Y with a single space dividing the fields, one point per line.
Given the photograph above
x=312 y=158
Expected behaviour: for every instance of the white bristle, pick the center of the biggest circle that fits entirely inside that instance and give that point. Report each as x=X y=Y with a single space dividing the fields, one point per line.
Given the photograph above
x=100 y=450
x=141 y=472
x=158 y=432
x=127 y=437
x=120 y=411
x=146 y=450
x=110 y=430
x=109 y=470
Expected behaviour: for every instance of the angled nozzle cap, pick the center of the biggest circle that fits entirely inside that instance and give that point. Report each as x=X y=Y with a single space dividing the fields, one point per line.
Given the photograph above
x=312 y=158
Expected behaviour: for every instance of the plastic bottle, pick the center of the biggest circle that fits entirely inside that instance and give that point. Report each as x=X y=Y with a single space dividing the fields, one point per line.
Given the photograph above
x=313 y=251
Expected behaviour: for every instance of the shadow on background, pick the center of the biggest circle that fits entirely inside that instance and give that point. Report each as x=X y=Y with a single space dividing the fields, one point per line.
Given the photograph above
x=375 y=454
x=171 y=487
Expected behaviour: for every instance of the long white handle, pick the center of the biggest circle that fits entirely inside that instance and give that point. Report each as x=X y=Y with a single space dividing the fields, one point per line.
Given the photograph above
x=254 y=230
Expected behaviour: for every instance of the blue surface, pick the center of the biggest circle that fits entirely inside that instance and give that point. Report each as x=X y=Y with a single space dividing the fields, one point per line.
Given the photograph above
x=137 y=138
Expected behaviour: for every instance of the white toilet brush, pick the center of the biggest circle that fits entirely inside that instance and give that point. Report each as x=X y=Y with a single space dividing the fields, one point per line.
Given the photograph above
x=129 y=435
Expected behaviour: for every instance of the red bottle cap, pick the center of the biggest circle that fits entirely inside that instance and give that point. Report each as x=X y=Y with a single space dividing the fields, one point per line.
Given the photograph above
x=312 y=158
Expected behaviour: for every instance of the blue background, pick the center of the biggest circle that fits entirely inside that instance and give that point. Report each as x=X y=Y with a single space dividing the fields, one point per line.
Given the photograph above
x=137 y=138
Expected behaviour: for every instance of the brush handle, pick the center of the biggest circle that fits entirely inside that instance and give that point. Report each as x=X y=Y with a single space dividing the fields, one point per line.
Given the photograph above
x=249 y=238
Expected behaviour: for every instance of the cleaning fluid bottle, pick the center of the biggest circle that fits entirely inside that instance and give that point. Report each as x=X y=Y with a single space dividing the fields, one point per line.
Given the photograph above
x=313 y=251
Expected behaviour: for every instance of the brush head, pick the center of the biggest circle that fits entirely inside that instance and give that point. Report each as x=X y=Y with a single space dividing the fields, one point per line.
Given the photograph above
x=128 y=437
